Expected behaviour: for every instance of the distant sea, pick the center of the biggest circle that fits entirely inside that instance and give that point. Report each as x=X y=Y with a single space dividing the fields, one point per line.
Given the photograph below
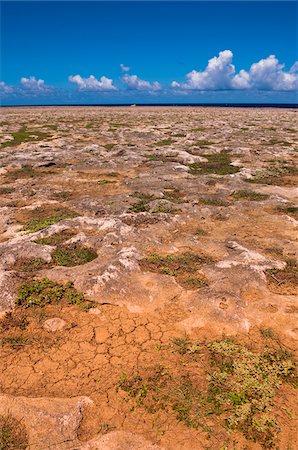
x=224 y=105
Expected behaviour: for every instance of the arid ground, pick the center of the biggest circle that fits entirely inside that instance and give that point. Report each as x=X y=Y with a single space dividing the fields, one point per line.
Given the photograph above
x=148 y=278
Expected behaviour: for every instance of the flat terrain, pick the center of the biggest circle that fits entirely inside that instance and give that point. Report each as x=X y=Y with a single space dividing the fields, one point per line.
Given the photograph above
x=148 y=278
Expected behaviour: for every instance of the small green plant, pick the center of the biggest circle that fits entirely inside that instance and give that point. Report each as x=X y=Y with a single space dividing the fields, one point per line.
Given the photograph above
x=200 y=232
x=109 y=146
x=249 y=195
x=243 y=385
x=6 y=190
x=140 y=206
x=39 y=293
x=164 y=142
x=165 y=208
x=18 y=341
x=25 y=136
x=284 y=280
x=56 y=239
x=73 y=255
x=103 y=182
x=214 y=202
x=289 y=210
x=13 y=434
x=39 y=224
x=218 y=163
x=179 y=266
x=203 y=143
x=275 y=174
x=196 y=130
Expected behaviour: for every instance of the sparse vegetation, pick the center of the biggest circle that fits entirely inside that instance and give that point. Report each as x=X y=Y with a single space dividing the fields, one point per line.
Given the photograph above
x=183 y=267
x=275 y=174
x=284 y=281
x=214 y=202
x=289 y=210
x=24 y=135
x=43 y=222
x=103 y=182
x=218 y=163
x=13 y=435
x=39 y=293
x=164 y=142
x=6 y=190
x=236 y=387
x=249 y=195
x=57 y=238
x=73 y=255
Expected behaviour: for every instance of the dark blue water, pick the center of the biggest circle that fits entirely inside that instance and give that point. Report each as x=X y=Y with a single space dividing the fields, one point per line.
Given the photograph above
x=224 y=105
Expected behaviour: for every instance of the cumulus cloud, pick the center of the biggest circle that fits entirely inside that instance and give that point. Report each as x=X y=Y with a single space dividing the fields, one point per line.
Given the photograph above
x=267 y=74
x=124 y=68
x=32 y=84
x=92 y=84
x=220 y=74
x=5 y=88
x=136 y=83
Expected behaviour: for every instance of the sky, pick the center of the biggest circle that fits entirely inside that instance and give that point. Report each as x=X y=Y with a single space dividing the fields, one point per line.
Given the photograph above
x=76 y=52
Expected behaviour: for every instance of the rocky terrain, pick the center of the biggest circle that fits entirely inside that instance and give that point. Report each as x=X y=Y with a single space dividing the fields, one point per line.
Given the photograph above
x=148 y=278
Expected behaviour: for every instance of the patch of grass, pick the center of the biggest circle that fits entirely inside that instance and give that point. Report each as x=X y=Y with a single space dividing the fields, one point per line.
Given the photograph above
x=56 y=239
x=165 y=208
x=249 y=195
x=198 y=129
x=164 y=142
x=203 y=143
x=62 y=195
x=6 y=190
x=228 y=385
x=218 y=163
x=243 y=385
x=73 y=255
x=27 y=171
x=109 y=146
x=214 y=202
x=13 y=434
x=16 y=319
x=141 y=206
x=284 y=281
x=196 y=282
x=289 y=210
x=30 y=264
x=18 y=341
x=200 y=232
x=274 y=174
x=24 y=135
x=42 y=292
x=173 y=195
x=112 y=174
x=103 y=182
x=183 y=267
x=43 y=222
x=162 y=158
x=268 y=333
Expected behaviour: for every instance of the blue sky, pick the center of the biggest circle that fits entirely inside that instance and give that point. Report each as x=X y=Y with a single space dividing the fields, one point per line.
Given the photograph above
x=70 y=52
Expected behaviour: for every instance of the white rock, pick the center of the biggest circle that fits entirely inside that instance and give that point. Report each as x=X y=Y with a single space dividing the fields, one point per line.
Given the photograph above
x=54 y=324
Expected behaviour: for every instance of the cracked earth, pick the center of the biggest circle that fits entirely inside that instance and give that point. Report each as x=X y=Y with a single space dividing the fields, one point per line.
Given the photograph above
x=192 y=215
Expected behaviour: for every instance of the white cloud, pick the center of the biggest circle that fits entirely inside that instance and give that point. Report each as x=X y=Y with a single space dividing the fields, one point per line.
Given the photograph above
x=266 y=74
x=92 y=84
x=32 y=84
x=217 y=74
x=134 y=82
x=124 y=68
x=4 y=88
